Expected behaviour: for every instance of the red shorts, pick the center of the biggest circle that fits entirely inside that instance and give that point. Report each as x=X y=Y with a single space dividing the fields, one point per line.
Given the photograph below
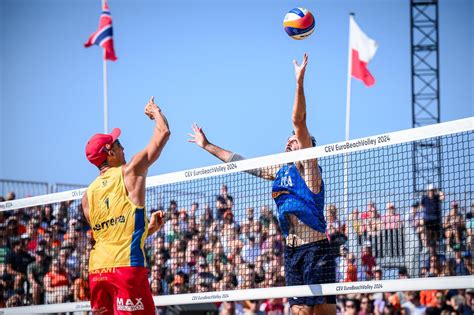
x=121 y=290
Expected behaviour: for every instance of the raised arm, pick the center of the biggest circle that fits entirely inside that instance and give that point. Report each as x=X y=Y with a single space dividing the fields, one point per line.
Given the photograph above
x=311 y=174
x=135 y=172
x=298 y=116
x=199 y=137
x=144 y=159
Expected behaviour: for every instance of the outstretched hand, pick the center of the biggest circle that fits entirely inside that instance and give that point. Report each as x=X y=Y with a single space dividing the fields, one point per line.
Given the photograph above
x=157 y=220
x=198 y=136
x=300 y=70
x=151 y=109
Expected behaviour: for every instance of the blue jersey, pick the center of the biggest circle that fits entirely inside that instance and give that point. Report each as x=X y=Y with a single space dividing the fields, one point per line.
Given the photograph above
x=292 y=196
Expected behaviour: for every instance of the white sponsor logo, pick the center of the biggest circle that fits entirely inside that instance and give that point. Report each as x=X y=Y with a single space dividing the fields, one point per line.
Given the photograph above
x=129 y=306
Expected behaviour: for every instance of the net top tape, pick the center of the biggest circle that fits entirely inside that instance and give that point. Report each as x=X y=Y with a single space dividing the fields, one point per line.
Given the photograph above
x=370 y=142
x=460 y=282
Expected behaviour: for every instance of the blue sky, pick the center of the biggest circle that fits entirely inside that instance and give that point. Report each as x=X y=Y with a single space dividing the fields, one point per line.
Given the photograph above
x=226 y=65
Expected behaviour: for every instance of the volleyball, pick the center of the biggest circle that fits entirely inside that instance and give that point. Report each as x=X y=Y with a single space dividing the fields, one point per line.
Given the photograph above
x=299 y=23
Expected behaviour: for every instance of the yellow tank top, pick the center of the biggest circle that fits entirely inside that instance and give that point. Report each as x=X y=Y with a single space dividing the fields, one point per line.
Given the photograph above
x=119 y=227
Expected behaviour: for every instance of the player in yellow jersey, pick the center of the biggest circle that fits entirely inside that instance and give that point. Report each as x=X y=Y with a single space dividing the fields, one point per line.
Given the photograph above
x=114 y=206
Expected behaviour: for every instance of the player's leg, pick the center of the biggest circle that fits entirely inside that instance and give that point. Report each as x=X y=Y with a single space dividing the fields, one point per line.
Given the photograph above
x=319 y=268
x=133 y=292
x=101 y=294
x=294 y=276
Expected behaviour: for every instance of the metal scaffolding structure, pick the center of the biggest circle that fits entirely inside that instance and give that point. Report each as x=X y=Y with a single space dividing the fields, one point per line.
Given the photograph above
x=425 y=91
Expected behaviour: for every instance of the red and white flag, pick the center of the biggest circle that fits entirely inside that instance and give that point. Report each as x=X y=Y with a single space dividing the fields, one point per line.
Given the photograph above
x=363 y=50
x=103 y=37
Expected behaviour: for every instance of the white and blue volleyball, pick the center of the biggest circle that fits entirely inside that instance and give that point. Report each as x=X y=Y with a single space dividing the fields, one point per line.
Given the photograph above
x=299 y=23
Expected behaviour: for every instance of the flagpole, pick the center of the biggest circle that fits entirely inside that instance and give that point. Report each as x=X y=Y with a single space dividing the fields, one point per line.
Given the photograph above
x=106 y=100
x=348 y=118
x=348 y=93
x=106 y=107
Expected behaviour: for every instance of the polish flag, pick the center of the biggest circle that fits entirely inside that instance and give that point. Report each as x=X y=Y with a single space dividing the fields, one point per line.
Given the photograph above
x=363 y=50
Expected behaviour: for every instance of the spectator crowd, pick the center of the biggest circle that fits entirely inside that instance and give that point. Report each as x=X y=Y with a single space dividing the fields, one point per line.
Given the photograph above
x=44 y=253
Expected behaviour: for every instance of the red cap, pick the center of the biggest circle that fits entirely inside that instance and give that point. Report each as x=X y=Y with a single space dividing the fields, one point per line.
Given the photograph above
x=95 y=146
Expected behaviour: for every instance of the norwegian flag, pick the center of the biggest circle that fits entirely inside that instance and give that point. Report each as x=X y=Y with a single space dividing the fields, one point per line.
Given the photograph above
x=103 y=36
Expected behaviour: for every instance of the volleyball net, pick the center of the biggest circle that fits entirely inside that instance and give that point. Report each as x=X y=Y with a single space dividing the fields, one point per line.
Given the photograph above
x=223 y=239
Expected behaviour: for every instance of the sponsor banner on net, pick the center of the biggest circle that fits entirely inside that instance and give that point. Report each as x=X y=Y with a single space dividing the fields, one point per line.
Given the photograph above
x=349 y=288
x=219 y=169
x=369 y=142
x=77 y=193
x=83 y=306
x=210 y=297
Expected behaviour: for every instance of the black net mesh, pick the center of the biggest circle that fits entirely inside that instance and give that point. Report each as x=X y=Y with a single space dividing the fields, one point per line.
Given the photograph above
x=224 y=232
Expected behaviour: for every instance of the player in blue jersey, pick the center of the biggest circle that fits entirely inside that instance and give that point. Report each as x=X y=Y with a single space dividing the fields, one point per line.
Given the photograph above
x=298 y=191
